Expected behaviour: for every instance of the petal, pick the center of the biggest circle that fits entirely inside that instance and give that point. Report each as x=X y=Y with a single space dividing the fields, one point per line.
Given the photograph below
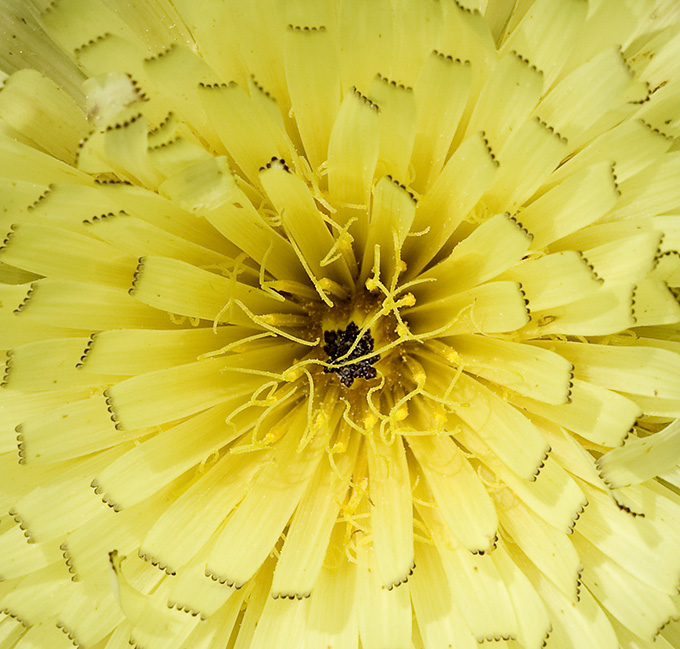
x=461 y=497
x=312 y=75
x=530 y=154
x=307 y=540
x=554 y=280
x=597 y=414
x=639 y=607
x=653 y=562
x=441 y=93
x=440 y=622
x=384 y=614
x=156 y=462
x=465 y=177
x=61 y=254
x=50 y=364
x=532 y=616
x=646 y=371
x=545 y=377
x=87 y=306
x=576 y=202
x=178 y=287
x=177 y=536
x=332 y=619
x=501 y=427
x=549 y=549
x=503 y=241
x=267 y=507
x=538 y=37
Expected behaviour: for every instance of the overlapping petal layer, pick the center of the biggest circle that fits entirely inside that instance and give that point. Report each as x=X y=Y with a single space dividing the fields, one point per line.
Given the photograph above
x=338 y=324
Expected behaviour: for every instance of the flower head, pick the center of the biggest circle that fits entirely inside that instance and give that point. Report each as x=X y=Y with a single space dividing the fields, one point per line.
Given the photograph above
x=331 y=323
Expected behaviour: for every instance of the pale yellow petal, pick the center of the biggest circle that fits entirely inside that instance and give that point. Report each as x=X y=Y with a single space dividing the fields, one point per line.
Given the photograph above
x=384 y=614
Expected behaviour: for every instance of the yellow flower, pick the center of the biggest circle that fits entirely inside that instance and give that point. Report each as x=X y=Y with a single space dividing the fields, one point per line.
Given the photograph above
x=340 y=323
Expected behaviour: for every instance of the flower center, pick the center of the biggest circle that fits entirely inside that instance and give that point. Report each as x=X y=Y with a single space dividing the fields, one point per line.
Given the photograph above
x=349 y=353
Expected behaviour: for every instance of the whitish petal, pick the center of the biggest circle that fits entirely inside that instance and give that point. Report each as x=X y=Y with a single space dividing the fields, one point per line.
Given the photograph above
x=456 y=190
x=545 y=377
x=332 y=617
x=550 y=550
x=61 y=254
x=312 y=75
x=503 y=239
x=639 y=370
x=176 y=537
x=510 y=435
x=641 y=608
x=441 y=93
x=267 y=507
x=384 y=614
x=461 y=497
x=547 y=33
x=597 y=414
x=307 y=539
x=440 y=622
x=650 y=559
